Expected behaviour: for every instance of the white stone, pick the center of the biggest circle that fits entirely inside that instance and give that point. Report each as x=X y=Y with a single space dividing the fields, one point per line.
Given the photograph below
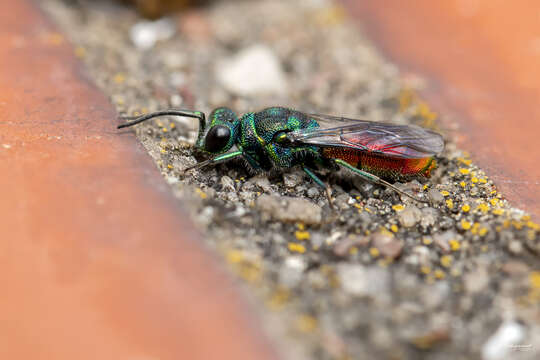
x=253 y=71
x=145 y=34
x=509 y=334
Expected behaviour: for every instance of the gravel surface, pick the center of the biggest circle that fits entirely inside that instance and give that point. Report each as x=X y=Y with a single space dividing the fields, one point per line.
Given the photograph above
x=381 y=277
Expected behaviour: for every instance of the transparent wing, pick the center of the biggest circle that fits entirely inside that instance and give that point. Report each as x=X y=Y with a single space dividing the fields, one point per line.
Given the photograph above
x=404 y=141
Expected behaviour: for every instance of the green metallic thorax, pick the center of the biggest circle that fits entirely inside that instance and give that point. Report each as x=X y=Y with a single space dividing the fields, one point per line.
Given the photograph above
x=258 y=133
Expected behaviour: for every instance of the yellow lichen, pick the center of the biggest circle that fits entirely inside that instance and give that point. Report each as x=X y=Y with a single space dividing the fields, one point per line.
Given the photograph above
x=427 y=241
x=439 y=274
x=425 y=270
x=450 y=203
x=498 y=211
x=446 y=261
x=445 y=193
x=279 y=298
x=465 y=225
x=398 y=207
x=394 y=228
x=302 y=235
x=464 y=171
x=299 y=248
x=201 y=193
x=533 y=225
x=463 y=184
x=306 y=323
x=119 y=78
x=483 y=207
x=235 y=256
x=454 y=245
x=80 y=52
x=534 y=279
x=466 y=208
x=374 y=252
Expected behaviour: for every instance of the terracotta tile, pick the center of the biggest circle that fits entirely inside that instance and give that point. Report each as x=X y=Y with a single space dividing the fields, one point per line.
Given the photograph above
x=481 y=62
x=96 y=261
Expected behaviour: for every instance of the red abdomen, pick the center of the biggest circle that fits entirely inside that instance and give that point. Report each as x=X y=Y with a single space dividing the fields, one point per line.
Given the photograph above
x=381 y=165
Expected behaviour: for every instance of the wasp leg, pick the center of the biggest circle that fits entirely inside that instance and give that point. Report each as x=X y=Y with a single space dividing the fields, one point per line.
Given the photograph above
x=319 y=182
x=215 y=160
x=375 y=179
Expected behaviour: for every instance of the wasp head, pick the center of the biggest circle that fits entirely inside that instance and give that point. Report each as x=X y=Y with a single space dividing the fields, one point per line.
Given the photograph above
x=220 y=134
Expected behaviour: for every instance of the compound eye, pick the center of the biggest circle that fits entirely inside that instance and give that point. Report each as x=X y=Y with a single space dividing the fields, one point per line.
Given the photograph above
x=217 y=137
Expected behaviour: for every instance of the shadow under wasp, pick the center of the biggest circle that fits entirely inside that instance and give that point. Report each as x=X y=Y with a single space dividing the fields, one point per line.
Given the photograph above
x=282 y=138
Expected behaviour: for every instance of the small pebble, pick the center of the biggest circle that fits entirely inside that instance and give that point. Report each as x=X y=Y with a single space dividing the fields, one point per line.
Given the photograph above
x=253 y=71
x=409 y=217
x=435 y=196
x=387 y=244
